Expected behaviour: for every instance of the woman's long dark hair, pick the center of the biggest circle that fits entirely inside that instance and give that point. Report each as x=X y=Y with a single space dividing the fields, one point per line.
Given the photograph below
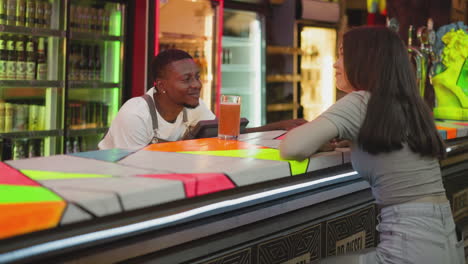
x=376 y=60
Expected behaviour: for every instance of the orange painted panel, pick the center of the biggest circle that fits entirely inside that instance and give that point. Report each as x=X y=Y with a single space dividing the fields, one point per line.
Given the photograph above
x=203 y=144
x=451 y=132
x=22 y=218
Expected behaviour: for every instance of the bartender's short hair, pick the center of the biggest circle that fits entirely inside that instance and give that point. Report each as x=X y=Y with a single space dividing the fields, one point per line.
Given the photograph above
x=164 y=58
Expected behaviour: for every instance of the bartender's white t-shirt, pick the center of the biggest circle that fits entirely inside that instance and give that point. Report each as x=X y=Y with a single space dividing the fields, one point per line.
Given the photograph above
x=132 y=128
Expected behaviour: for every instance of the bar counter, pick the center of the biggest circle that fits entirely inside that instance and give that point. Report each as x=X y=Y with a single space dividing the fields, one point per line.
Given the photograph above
x=199 y=201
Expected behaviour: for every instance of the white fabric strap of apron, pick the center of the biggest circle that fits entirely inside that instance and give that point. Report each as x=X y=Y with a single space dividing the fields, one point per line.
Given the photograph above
x=154 y=118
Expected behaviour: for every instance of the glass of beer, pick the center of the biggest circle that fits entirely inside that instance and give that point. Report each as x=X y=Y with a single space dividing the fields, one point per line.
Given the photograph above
x=229 y=117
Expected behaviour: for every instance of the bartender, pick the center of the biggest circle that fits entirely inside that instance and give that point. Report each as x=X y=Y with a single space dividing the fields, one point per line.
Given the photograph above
x=169 y=109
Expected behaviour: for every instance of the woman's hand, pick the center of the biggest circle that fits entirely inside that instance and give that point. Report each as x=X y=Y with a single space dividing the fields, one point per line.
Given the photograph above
x=333 y=144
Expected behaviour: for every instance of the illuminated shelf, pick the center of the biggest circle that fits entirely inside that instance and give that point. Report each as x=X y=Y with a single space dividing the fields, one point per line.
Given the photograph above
x=94 y=36
x=30 y=84
x=235 y=90
x=236 y=42
x=174 y=38
x=86 y=131
x=92 y=85
x=289 y=51
x=281 y=107
x=283 y=78
x=237 y=68
x=41 y=32
x=32 y=134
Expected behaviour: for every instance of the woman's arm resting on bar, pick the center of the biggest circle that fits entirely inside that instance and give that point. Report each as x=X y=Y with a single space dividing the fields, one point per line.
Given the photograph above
x=280 y=125
x=303 y=141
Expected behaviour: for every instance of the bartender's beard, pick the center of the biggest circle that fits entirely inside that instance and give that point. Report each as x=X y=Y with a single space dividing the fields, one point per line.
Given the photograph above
x=191 y=106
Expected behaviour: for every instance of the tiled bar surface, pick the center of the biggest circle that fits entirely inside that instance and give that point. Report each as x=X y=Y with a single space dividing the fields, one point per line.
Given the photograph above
x=56 y=191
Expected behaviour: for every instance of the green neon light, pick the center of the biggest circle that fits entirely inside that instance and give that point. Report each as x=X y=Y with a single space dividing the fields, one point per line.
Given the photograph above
x=297 y=167
x=117 y=52
x=21 y=194
x=53 y=175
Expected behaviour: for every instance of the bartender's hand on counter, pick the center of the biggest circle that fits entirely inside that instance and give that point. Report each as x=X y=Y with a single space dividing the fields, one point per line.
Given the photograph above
x=280 y=125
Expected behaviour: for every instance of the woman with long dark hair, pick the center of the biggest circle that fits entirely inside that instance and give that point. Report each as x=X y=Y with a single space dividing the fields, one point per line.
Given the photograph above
x=394 y=146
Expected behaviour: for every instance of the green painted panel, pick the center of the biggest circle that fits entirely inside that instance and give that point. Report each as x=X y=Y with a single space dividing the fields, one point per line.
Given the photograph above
x=297 y=167
x=53 y=175
x=23 y=194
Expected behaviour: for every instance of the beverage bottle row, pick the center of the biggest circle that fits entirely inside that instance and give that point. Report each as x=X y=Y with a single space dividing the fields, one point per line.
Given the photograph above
x=28 y=13
x=14 y=149
x=87 y=114
x=85 y=63
x=227 y=56
x=74 y=145
x=21 y=117
x=18 y=63
x=89 y=19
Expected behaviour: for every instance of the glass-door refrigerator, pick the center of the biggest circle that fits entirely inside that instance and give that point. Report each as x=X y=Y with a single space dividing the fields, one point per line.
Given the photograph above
x=95 y=70
x=243 y=62
x=318 y=54
x=318 y=23
x=32 y=74
x=193 y=26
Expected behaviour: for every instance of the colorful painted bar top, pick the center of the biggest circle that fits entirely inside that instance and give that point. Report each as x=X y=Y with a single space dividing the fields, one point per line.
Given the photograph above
x=45 y=192
x=451 y=129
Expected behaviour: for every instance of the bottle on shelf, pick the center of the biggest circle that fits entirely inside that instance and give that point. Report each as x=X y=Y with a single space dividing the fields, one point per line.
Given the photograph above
x=41 y=123
x=73 y=17
x=79 y=18
x=75 y=63
x=93 y=19
x=39 y=15
x=20 y=147
x=3 y=58
x=8 y=117
x=20 y=117
x=83 y=65
x=71 y=62
x=85 y=19
x=21 y=69
x=30 y=19
x=47 y=15
x=97 y=63
x=196 y=57
x=91 y=63
x=2 y=116
x=12 y=56
x=76 y=145
x=100 y=20
x=33 y=117
x=35 y=148
x=106 y=21
x=11 y=12
x=30 y=59
x=3 y=12
x=20 y=12
x=41 y=61
x=68 y=146
x=204 y=66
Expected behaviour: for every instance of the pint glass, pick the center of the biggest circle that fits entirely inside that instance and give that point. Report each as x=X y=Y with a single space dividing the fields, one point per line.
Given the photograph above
x=229 y=117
